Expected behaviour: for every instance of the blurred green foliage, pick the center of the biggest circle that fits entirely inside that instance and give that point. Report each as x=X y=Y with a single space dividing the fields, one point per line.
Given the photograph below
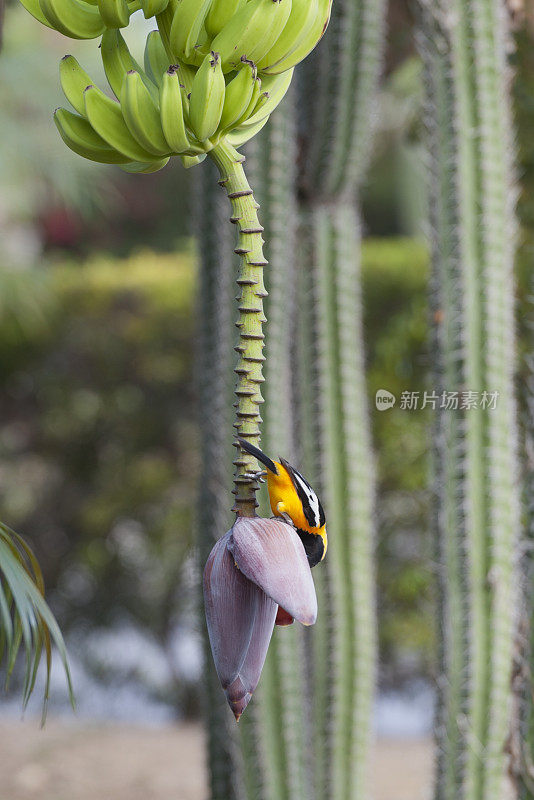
x=394 y=277
x=98 y=434
x=97 y=440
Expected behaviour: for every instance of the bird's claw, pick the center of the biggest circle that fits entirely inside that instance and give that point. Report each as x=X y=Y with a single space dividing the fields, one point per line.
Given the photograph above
x=255 y=475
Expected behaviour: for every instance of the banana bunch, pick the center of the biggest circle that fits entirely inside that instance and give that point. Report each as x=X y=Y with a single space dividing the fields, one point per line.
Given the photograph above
x=274 y=34
x=88 y=19
x=160 y=109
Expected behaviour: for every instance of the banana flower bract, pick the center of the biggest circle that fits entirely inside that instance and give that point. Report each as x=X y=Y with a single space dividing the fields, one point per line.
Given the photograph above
x=256 y=571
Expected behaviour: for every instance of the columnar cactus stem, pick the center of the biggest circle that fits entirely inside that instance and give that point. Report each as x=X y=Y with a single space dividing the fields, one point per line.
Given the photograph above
x=344 y=645
x=340 y=80
x=272 y=161
x=469 y=135
x=250 y=321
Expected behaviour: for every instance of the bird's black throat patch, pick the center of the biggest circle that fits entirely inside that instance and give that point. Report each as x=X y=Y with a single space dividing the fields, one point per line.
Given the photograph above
x=313 y=546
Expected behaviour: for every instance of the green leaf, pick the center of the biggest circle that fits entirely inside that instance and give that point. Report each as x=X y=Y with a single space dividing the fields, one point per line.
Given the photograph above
x=25 y=618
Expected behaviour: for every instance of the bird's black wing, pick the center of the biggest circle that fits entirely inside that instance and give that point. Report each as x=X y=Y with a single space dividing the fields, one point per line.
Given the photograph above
x=313 y=510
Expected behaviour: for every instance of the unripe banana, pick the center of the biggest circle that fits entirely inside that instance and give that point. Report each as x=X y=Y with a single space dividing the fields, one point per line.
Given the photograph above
x=35 y=10
x=74 y=81
x=309 y=42
x=187 y=32
x=164 y=21
x=142 y=115
x=80 y=137
x=74 y=18
x=106 y=118
x=156 y=58
x=304 y=13
x=118 y=61
x=220 y=13
x=273 y=91
x=115 y=13
x=172 y=113
x=187 y=76
x=251 y=32
x=207 y=98
x=153 y=7
x=145 y=167
x=252 y=105
x=191 y=161
x=238 y=95
x=239 y=136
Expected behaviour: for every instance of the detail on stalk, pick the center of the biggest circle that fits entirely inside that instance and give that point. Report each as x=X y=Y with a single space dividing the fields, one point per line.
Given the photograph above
x=250 y=320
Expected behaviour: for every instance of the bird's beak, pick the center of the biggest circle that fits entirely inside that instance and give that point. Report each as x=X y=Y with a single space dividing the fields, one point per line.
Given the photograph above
x=257 y=567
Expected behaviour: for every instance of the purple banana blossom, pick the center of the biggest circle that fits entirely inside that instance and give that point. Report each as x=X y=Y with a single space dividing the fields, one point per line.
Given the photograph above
x=256 y=574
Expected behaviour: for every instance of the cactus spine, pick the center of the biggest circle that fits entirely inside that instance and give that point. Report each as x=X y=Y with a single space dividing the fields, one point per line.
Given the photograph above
x=341 y=78
x=476 y=499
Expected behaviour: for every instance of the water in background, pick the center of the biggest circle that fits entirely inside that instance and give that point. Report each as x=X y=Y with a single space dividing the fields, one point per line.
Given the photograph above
x=121 y=675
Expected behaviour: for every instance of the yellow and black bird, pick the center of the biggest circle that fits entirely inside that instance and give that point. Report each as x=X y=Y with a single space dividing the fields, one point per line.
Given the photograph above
x=291 y=496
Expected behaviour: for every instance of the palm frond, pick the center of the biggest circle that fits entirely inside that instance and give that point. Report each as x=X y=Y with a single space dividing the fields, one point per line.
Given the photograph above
x=25 y=618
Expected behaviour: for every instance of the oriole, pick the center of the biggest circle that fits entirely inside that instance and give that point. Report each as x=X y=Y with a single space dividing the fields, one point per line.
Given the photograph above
x=291 y=496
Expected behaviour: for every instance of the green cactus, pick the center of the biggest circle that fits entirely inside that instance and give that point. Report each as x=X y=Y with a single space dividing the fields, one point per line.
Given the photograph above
x=341 y=79
x=522 y=742
x=343 y=642
x=476 y=498
x=271 y=159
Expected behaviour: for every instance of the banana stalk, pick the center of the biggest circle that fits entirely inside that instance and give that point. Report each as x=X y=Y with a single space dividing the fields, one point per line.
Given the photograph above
x=477 y=504
x=341 y=79
x=250 y=321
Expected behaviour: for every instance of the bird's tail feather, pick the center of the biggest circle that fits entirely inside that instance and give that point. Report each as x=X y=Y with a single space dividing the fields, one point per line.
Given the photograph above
x=259 y=454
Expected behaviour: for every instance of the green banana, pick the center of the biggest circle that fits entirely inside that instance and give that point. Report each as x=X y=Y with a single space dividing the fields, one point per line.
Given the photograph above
x=145 y=167
x=172 y=114
x=35 y=10
x=306 y=46
x=187 y=32
x=164 y=21
x=156 y=59
x=142 y=115
x=220 y=13
x=256 y=90
x=153 y=7
x=304 y=14
x=191 y=161
x=106 y=118
x=115 y=13
x=274 y=89
x=74 y=81
x=187 y=76
x=207 y=98
x=73 y=18
x=238 y=95
x=80 y=137
x=241 y=135
x=251 y=32
x=118 y=61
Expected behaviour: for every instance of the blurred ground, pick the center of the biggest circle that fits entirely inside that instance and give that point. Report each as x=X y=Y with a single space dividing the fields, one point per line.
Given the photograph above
x=133 y=763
